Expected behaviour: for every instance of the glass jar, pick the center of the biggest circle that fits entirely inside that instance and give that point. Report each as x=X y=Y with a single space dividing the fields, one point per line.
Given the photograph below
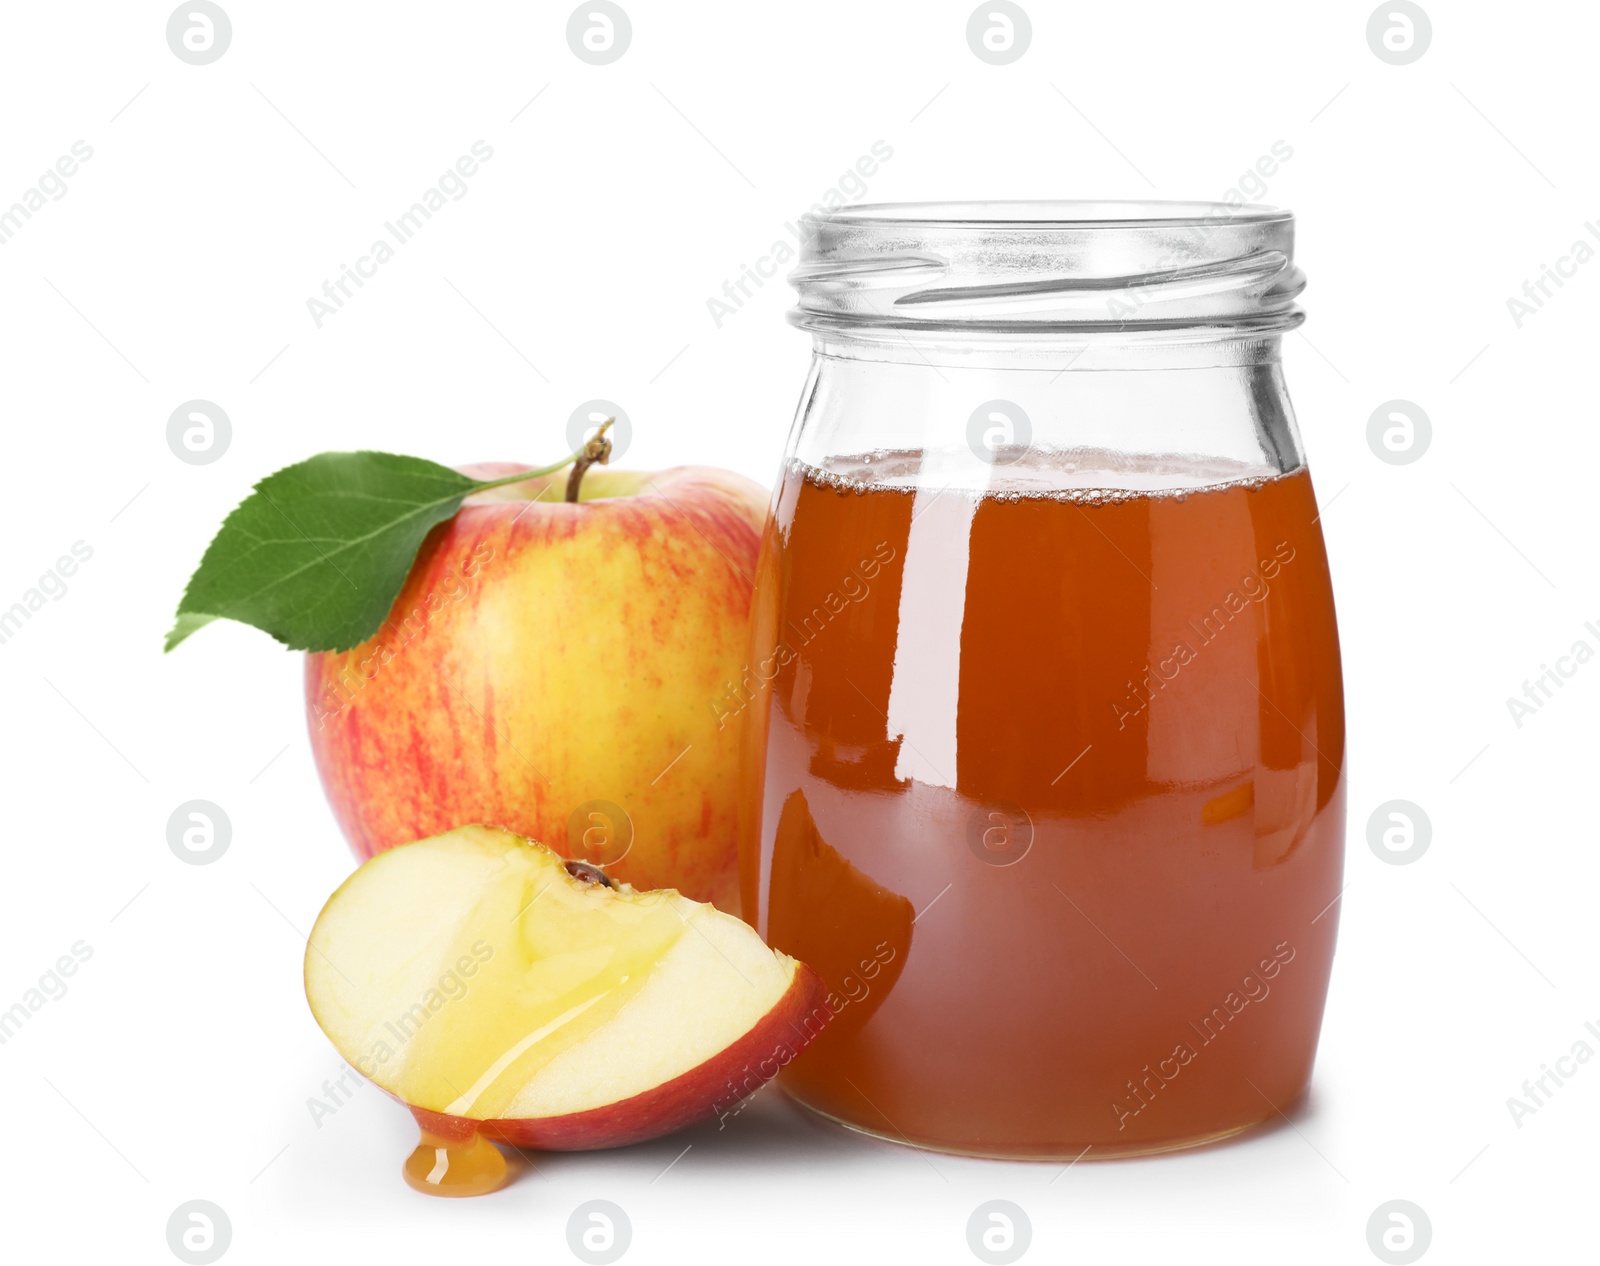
x=1044 y=758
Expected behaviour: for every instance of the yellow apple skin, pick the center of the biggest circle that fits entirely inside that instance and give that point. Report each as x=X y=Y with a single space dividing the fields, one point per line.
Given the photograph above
x=545 y=655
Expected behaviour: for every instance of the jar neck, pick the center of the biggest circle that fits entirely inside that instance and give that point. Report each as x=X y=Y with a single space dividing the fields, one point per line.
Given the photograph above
x=1192 y=412
x=1189 y=347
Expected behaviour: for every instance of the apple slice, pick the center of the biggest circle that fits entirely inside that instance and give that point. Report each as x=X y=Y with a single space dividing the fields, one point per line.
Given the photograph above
x=477 y=979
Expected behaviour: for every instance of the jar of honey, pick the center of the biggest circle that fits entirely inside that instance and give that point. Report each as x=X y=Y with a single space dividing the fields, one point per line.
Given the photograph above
x=1044 y=748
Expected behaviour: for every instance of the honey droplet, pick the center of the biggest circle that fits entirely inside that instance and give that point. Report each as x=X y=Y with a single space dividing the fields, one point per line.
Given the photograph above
x=455 y=1167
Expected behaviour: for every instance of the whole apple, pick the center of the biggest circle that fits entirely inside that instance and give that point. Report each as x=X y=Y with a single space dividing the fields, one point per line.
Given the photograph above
x=562 y=670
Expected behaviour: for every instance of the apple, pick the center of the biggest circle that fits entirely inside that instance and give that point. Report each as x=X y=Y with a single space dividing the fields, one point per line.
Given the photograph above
x=503 y=992
x=565 y=670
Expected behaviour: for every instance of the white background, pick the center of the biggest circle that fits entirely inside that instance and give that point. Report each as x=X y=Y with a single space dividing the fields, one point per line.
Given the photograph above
x=177 y=266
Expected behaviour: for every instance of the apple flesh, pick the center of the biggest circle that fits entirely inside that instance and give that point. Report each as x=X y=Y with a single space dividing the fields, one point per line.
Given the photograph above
x=570 y=671
x=478 y=980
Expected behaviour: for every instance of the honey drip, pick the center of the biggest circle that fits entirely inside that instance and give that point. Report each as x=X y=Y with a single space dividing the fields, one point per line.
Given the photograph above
x=455 y=1167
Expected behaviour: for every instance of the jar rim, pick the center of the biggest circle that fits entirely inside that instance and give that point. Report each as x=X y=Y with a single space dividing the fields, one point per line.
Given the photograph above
x=1133 y=268
x=1064 y=212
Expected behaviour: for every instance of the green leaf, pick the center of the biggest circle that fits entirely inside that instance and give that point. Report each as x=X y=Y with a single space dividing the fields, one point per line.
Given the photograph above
x=318 y=552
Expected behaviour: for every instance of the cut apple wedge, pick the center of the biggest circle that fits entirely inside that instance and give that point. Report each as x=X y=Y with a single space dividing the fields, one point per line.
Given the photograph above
x=477 y=979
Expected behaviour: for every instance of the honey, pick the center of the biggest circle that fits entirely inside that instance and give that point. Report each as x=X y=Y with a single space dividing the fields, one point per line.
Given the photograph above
x=549 y=972
x=1046 y=780
x=455 y=1167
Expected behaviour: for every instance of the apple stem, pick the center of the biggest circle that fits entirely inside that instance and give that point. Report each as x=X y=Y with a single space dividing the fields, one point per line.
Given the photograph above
x=598 y=450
